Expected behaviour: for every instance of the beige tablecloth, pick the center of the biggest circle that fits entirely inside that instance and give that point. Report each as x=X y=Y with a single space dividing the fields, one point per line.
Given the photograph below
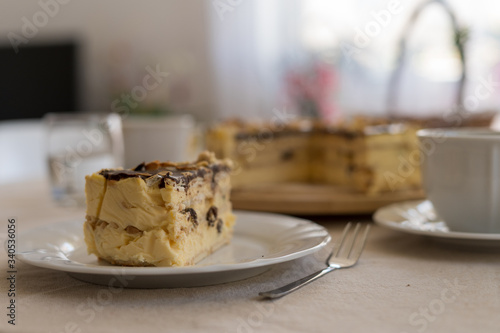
x=403 y=283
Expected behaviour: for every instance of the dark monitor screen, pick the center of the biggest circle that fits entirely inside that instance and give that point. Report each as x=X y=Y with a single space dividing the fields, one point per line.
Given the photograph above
x=38 y=79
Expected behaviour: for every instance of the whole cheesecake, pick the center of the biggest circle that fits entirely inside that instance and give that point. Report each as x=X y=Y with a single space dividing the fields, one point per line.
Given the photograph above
x=363 y=155
x=159 y=213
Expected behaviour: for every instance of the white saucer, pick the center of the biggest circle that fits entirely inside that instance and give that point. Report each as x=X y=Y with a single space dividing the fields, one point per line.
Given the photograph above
x=418 y=217
x=260 y=240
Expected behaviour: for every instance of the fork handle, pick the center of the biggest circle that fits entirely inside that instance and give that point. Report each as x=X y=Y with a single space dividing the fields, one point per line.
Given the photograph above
x=285 y=290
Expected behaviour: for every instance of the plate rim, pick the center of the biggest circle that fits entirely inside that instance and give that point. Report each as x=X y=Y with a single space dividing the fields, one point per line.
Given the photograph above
x=394 y=225
x=185 y=270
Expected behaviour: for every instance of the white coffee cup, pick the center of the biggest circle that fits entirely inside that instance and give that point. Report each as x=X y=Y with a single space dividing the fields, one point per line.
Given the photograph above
x=461 y=175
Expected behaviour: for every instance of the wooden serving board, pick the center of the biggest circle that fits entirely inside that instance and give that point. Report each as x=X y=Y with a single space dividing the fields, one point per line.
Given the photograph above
x=310 y=199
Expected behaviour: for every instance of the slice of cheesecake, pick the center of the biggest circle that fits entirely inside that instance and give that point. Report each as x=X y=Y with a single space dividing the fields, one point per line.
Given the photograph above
x=159 y=213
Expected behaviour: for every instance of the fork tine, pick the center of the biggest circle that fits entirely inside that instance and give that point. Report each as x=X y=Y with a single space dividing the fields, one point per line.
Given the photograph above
x=340 y=262
x=353 y=241
x=342 y=241
x=362 y=243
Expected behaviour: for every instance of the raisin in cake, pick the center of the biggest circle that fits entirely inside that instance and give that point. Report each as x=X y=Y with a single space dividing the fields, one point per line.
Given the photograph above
x=159 y=213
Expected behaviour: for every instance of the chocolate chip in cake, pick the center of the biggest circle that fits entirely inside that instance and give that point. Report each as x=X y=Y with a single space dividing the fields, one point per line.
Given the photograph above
x=212 y=216
x=193 y=217
x=287 y=155
x=101 y=223
x=141 y=167
x=132 y=230
x=219 y=225
x=171 y=176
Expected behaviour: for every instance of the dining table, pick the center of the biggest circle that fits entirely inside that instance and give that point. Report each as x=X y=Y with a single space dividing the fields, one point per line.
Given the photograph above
x=403 y=282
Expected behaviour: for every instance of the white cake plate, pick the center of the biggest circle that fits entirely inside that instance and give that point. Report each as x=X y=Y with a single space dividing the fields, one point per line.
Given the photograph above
x=260 y=241
x=418 y=217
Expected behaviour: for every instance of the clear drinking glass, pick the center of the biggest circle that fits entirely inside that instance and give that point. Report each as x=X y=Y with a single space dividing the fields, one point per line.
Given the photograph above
x=79 y=144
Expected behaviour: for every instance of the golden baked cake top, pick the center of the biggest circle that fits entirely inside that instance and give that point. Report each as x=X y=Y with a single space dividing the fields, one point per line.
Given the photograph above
x=352 y=127
x=172 y=173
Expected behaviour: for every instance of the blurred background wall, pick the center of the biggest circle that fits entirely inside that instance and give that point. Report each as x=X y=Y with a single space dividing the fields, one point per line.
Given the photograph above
x=244 y=58
x=119 y=39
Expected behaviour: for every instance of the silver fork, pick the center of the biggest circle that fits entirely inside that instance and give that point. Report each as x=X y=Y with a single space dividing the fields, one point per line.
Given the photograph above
x=343 y=255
